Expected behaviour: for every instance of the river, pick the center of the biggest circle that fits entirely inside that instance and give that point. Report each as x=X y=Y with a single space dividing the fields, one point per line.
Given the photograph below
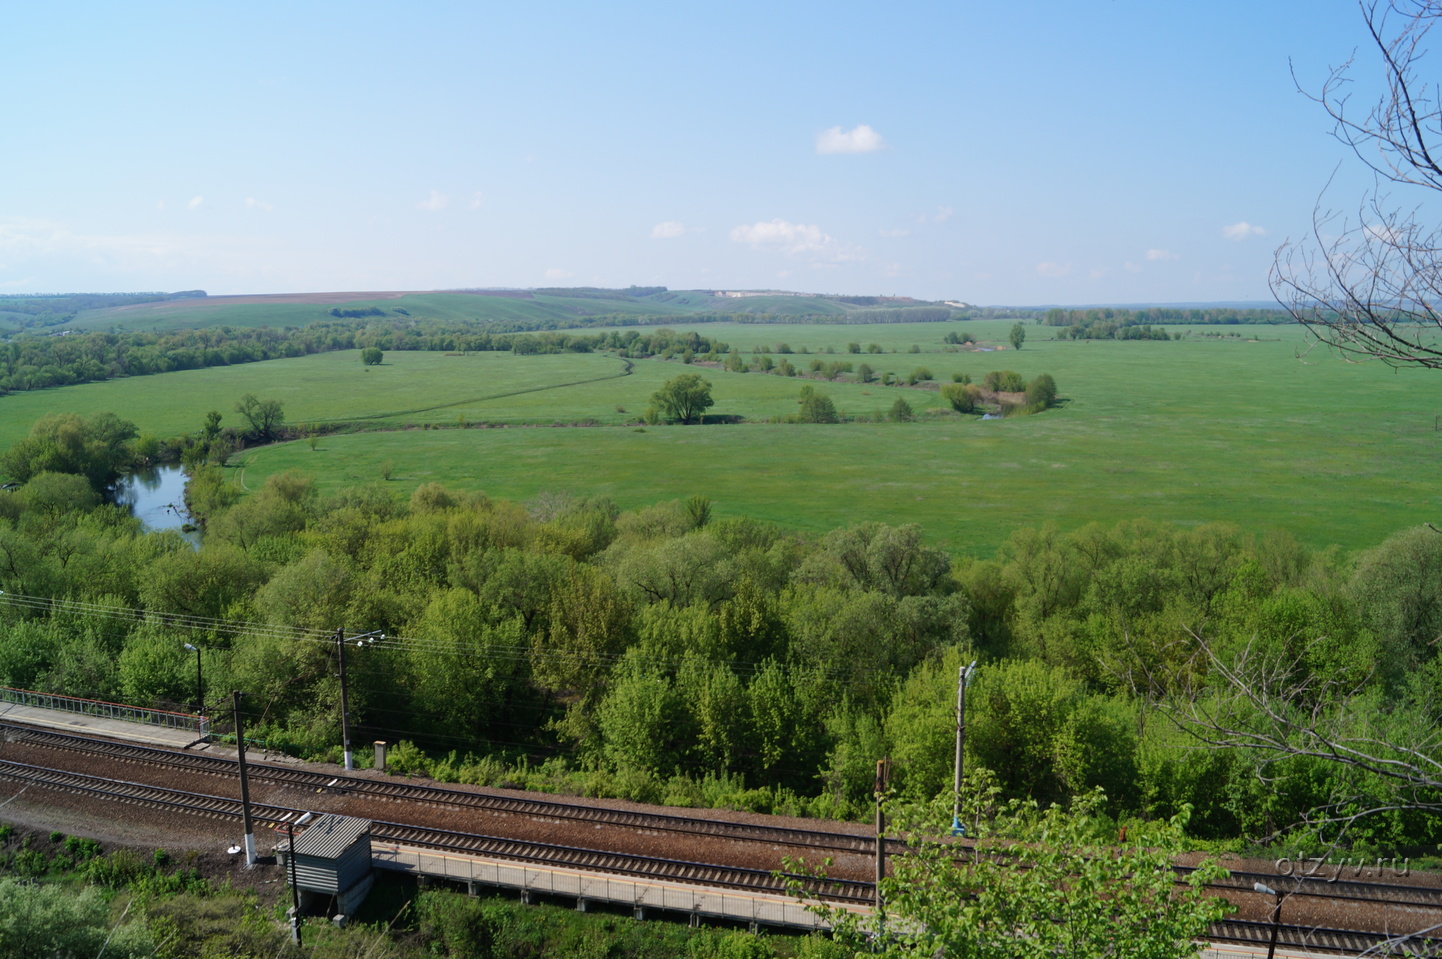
x=156 y=497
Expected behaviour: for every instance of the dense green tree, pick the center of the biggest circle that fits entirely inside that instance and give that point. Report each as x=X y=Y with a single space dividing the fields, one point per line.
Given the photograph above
x=264 y=417
x=1398 y=585
x=1041 y=392
x=1017 y=336
x=644 y=720
x=464 y=671
x=816 y=407
x=372 y=356
x=97 y=448
x=40 y=921
x=684 y=398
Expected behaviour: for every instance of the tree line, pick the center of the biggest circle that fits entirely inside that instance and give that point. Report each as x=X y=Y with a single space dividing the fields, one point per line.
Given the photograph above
x=39 y=362
x=1159 y=314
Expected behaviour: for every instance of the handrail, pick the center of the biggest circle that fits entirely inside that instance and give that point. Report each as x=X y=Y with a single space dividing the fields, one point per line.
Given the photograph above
x=105 y=710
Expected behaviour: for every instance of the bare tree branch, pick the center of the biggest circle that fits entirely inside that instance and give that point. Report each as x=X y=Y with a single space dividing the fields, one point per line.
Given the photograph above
x=1276 y=708
x=1368 y=286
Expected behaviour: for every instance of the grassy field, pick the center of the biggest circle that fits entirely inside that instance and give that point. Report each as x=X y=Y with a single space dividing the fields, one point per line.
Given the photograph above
x=1189 y=431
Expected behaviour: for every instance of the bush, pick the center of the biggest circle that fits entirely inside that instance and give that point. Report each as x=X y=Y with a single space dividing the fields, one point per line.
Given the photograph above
x=1041 y=392
x=1004 y=381
x=963 y=397
x=817 y=408
x=918 y=375
x=901 y=411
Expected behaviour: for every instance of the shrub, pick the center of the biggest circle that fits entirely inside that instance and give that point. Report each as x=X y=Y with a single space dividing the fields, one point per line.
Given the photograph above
x=865 y=373
x=1041 y=392
x=961 y=399
x=918 y=375
x=1004 y=381
x=901 y=411
x=960 y=378
x=817 y=408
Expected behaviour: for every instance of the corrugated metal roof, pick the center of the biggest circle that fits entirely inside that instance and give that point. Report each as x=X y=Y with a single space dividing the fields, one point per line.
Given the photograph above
x=328 y=836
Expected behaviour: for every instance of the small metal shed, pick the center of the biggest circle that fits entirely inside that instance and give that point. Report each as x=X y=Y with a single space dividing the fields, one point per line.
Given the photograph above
x=333 y=854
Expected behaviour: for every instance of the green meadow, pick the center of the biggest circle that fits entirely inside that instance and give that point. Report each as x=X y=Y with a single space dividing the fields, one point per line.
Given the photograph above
x=1241 y=428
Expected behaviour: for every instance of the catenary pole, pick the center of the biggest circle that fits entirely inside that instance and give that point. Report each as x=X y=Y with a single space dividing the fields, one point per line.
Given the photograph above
x=244 y=783
x=963 y=677
x=344 y=707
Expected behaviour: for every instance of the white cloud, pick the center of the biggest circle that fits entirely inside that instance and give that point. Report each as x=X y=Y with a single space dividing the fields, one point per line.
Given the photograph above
x=160 y=204
x=555 y=273
x=860 y=139
x=895 y=232
x=795 y=239
x=1053 y=269
x=1241 y=230
x=943 y=213
x=1131 y=267
x=478 y=199
x=1096 y=273
x=893 y=270
x=436 y=201
x=251 y=203
x=1384 y=233
x=1158 y=256
x=195 y=202
x=668 y=230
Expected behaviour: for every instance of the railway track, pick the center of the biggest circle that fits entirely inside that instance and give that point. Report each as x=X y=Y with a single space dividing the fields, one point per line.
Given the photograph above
x=494 y=847
x=1380 y=893
x=1240 y=931
x=399 y=791
x=1312 y=939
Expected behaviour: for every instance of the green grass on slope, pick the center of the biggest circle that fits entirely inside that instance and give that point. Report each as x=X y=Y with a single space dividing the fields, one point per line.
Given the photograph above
x=220 y=311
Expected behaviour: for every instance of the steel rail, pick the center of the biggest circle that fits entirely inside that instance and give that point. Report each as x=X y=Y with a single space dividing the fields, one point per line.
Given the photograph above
x=1318 y=939
x=650 y=867
x=1241 y=881
x=415 y=792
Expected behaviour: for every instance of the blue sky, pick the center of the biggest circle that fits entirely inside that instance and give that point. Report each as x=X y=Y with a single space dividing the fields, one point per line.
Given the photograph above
x=1084 y=151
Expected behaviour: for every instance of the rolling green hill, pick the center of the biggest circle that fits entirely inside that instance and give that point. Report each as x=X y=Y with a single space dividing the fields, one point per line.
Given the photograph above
x=521 y=308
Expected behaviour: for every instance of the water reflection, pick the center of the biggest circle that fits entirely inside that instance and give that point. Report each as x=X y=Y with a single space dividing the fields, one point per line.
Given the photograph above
x=156 y=497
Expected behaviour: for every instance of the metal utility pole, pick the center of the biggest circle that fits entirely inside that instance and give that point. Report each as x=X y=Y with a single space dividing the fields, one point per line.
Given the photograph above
x=963 y=678
x=244 y=783
x=290 y=825
x=1276 y=915
x=883 y=775
x=344 y=707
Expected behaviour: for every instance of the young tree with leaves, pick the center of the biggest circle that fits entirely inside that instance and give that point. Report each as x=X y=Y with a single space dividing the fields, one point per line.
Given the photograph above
x=1034 y=882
